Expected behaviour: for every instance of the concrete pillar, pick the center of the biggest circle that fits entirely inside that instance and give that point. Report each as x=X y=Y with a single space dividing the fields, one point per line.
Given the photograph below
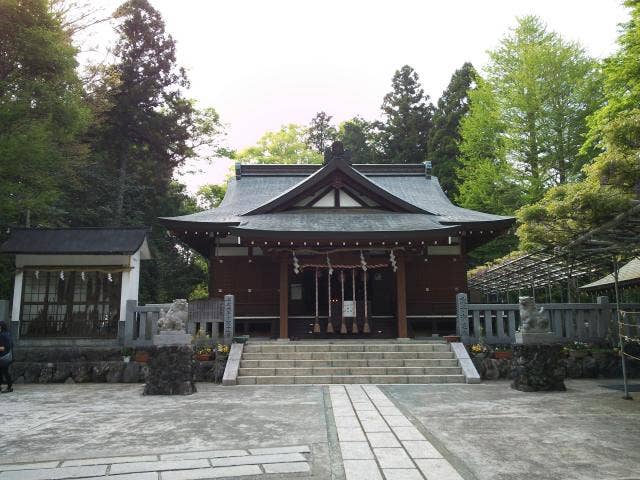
x=284 y=297
x=401 y=296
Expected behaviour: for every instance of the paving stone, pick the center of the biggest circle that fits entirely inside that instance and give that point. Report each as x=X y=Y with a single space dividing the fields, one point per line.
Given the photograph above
x=54 y=473
x=383 y=439
x=256 y=459
x=361 y=470
x=28 y=466
x=108 y=460
x=421 y=449
x=389 y=410
x=351 y=434
x=347 y=421
x=296 y=467
x=275 y=450
x=370 y=415
x=127 y=476
x=363 y=406
x=397 y=421
x=202 y=454
x=393 y=458
x=437 y=469
x=220 y=472
x=408 y=433
x=375 y=426
x=343 y=412
x=356 y=451
x=402 y=474
x=157 y=466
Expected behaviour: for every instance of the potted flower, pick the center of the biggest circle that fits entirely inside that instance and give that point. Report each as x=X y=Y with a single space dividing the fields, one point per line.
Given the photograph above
x=577 y=349
x=203 y=353
x=141 y=356
x=479 y=350
x=222 y=350
x=126 y=355
x=502 y=353
x=451 y=338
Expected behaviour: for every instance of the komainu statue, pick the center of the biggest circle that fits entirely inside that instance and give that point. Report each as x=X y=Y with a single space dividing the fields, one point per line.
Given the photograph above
x=532 y=319
x=174 y=319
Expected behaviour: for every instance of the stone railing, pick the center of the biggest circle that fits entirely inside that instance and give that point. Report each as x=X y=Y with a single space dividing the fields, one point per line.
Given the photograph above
x=214 y=316
x=497 y=323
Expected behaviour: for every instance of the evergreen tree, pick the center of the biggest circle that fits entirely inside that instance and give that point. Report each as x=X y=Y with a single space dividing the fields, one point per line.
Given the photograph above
x=408 y=119
x=361 y=139
x=42 y=116
x=320 y=133
x=444 y=137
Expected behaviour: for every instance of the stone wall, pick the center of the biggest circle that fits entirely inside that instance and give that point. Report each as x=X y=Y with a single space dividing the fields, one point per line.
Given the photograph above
x=590 y=366
x=93 y=365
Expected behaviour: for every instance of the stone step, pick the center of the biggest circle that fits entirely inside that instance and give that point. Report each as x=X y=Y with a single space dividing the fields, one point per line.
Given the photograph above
x=347 y=355
x=331 y=371
x=342 y=379
x=323 y=348
x=378 y=362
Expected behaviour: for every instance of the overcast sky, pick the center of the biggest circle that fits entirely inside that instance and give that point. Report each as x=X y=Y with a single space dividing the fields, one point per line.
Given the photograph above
x=263 y=64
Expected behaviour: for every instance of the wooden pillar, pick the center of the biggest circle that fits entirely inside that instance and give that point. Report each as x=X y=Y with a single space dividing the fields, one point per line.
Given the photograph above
x=212 y=253
x=284 y=296
x=401 y=295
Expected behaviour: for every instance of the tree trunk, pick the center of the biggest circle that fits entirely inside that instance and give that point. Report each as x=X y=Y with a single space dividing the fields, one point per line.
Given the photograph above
x=122 y=182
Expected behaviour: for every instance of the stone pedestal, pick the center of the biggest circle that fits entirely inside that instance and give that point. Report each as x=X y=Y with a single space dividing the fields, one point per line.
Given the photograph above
x=169 y=338
x=535 y=338
x=171 y=371
x=537 y=368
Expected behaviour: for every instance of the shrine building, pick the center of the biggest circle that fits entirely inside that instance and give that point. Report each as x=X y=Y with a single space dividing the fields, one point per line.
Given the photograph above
x=339 y=249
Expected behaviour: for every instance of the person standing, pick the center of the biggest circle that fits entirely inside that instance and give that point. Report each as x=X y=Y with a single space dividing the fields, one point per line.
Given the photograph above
x=6 y=357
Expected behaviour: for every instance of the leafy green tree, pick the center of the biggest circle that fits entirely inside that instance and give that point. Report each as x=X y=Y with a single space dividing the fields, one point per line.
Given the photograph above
x=444 y=136
x=42 y=113
x=210 y=195
x=320 y=133
x=612 y=180
x=545 y=87
x=287 y=145
x=408 y=119
x=361 y=138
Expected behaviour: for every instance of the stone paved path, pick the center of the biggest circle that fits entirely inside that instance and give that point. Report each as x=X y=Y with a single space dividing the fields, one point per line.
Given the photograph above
x=189 y=465
x=378 y=442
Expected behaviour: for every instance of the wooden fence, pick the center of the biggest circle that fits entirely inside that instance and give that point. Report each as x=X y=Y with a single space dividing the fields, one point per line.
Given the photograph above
x=497 y=323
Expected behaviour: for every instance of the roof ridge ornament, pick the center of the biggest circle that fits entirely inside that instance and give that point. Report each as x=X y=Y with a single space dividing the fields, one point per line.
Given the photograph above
x=428 y=168
x=336 y=152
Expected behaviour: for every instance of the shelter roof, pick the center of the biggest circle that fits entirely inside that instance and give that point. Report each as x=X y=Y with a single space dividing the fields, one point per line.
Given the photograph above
x=78 y=241
x=629 y=273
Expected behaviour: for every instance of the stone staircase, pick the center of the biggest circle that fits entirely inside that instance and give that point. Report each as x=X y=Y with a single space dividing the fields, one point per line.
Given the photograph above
x=369 y=361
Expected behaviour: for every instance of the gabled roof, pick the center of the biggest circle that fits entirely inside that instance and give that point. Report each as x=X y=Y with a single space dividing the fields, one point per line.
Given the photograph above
x=334 y=167
x=78 y=241
x=255 y=198
x=628 y=274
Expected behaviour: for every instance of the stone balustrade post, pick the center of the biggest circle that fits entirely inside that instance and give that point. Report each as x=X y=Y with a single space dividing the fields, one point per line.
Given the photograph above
x=462 y=317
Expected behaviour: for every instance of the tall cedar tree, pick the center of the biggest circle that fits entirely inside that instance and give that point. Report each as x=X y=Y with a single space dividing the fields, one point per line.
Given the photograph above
x=320 y=133
x=146 y=129
x=408 y=119
x=42 y=115
x=444 y=137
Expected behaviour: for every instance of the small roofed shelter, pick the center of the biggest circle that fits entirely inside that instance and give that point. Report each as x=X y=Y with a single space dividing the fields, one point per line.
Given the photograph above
x=73 y=283
x=337 y=249
x=628 y=276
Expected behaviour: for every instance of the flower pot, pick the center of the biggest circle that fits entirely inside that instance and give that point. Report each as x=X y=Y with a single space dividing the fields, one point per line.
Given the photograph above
x=141 y=357
x=451 y=338
x=506 y=355
x=203 y=357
